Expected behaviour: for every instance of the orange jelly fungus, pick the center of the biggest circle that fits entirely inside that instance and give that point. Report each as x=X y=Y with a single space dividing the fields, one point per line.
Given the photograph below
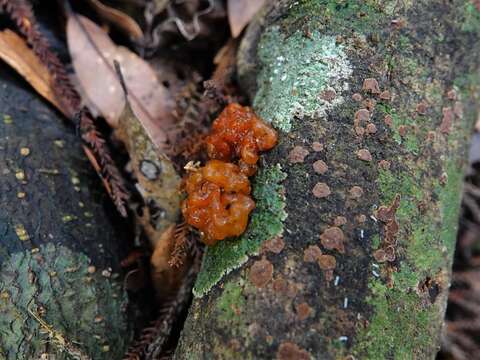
x=239 y=133
x=218 y=201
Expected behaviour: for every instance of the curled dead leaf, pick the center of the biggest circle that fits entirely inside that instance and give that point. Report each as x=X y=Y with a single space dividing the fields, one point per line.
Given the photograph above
x=117 y=18
x=241 y=12
x=16 y=53
x=93 y=53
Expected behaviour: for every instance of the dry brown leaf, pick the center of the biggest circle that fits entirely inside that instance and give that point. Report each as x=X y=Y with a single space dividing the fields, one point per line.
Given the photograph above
x=16 y=53
x=119 y=19
x=240 y=12
x=92 y=54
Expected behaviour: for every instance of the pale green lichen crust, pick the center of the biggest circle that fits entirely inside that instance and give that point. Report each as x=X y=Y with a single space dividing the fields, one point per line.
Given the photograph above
x=83 y=304
x=265 y=223
x=299 y=68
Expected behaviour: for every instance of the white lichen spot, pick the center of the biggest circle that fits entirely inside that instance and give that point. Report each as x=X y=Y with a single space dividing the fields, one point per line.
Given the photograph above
x=107 y=273
x=299 y=70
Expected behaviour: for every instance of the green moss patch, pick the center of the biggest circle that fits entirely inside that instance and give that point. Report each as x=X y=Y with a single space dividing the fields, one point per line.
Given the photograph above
x=361 y=15
x=400 y=327
x=230 y=305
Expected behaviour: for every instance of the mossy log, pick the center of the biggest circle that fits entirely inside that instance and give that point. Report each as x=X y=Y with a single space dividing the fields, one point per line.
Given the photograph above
x=59 y=251
x=349 y=250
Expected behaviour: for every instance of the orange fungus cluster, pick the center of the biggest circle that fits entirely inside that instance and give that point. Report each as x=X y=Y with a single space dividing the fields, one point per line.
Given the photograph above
x=218 y=201
x=239 y=133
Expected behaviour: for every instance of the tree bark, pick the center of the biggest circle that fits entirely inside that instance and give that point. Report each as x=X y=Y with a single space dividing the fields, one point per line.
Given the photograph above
x=349 y=250
x=59 y=250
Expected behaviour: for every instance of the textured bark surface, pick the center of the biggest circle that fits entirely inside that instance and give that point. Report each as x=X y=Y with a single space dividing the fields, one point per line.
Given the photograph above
x=58 y=249
x=381 y=207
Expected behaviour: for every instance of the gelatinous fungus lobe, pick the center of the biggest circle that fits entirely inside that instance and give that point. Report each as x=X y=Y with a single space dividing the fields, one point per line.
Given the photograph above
x=218 y=201
x=239 y=133
x=218 y=195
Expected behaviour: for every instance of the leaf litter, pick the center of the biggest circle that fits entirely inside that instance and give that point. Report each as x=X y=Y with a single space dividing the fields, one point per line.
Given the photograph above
x=93 y=53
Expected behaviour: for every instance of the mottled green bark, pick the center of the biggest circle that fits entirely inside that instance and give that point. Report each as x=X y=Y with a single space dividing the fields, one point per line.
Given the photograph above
x=58 y=249
x=309 y=66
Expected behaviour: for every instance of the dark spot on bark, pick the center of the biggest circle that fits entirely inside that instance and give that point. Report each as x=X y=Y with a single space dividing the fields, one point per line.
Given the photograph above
x=443 y=179
x=361 y=117
x=371 y=129
x=328 y=95
x=290 y=351
x=385 y=213
x=234 y=345
x=316 y=146
x=361 y=218
x=380 y=256
x=320 y=167
x=388 y=120
x=327 y=262
x=390 y=253
x=303 y=311
x=369 y=104
x=157 y=213
x=357 y=97
x=297 y=154
x=274 y=245
x=321 y=190
x=328 y=275
x=332 y=239
x=385 y=95
x=384 y=164
x=371 y=85
x=280 y=285
x=360 y=131
x=447 y=120
x=402 y=130
x=421 y=108
x=261 y=273
x=340 y=220
x=364 y=155
x=356 y=192
x=430 y=287
x=312 y=253
x=452 y=94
